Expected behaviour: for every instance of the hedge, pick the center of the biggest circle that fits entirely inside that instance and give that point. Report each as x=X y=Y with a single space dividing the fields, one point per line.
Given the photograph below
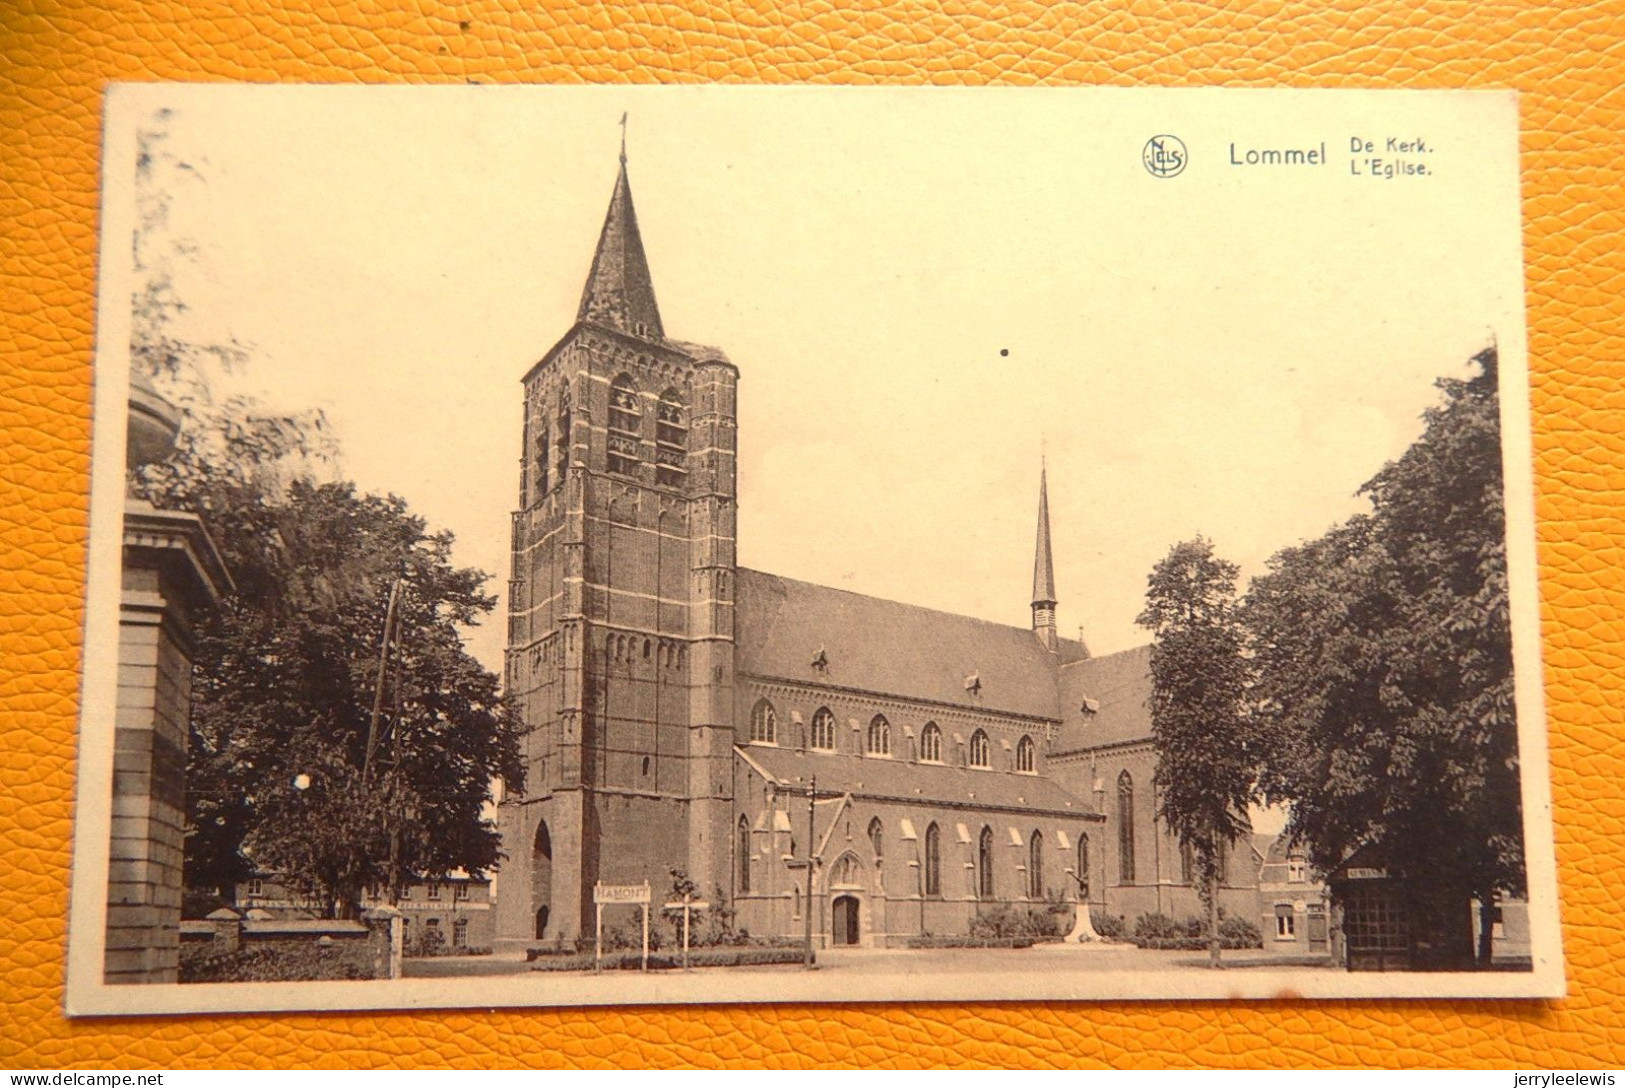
x=666 y=961
x=979 y=942
x=278 y=961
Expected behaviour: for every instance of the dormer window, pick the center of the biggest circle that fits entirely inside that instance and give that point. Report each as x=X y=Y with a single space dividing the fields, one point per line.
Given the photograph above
x=625 y=426
x=671 y=440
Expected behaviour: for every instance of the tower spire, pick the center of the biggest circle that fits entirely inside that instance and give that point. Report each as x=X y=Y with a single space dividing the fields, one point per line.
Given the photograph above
x=620 y=293
x=1044 y=569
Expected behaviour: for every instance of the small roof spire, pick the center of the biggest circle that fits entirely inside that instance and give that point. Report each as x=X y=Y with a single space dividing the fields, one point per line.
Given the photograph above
x=1043 y=563
x=620 y=293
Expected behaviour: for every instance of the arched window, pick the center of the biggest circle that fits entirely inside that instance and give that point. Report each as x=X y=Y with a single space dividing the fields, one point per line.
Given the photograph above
x=933 y=861
x=931 y=743
x=984 y=865
x=561 y=440
x=877 y=837
x=625 y=426
x=823 y=729
x=671 y=440
x=1125 y=828
x=764 y=723
x=1187 y=864
x=742 y=847
x=1035 y=866
x=1083 y=867
x=1026 y=755
x=979 y=756
x=879 y=736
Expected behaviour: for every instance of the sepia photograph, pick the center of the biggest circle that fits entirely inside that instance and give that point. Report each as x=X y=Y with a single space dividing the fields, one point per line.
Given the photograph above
x=603 y=545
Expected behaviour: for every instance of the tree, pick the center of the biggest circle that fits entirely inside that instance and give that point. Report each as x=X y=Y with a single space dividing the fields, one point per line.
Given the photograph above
x=1384 y=656
x=288 y=680
x=1199 y=676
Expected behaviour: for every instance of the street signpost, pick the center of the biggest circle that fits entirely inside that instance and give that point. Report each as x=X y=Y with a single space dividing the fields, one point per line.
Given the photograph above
x=618 y=893
x=686 y=904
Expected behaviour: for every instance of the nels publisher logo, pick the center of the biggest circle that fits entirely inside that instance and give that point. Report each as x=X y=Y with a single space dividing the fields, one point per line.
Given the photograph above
x=1164 y=156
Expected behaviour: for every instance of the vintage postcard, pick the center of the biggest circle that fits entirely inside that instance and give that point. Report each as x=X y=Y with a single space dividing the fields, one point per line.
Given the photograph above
x=573 y=546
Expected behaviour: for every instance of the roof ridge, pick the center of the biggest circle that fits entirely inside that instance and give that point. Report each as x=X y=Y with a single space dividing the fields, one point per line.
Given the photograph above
x=905 y=604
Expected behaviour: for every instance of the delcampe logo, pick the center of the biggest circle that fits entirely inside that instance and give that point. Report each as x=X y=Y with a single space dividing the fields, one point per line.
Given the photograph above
x=1164 y=156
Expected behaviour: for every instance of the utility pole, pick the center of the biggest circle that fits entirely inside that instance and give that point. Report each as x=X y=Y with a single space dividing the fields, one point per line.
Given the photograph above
x=809 y=959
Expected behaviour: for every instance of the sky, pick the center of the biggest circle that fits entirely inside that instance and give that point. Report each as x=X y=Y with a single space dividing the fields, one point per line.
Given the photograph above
x=926 y=291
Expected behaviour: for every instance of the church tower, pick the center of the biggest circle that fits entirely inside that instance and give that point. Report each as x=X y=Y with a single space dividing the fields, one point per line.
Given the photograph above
x=1044 y=572
x=620 y=618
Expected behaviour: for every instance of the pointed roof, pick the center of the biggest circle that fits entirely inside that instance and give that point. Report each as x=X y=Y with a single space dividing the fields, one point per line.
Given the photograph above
x=1043 y=564
x=620 y=294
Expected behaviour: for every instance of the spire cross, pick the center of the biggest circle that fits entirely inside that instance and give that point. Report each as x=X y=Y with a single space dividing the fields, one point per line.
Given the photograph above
x=623 y=138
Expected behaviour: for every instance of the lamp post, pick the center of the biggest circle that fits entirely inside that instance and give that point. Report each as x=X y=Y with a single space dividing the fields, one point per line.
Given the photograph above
x=809 y=959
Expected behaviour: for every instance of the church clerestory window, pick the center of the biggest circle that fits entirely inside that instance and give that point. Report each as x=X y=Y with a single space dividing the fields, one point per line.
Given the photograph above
x=823 y=730
x=980 y=755
x=931 y=743
x=764 y=723
x=1026 y=756
x=671 y=440
x=879 y=736
x=625 y=426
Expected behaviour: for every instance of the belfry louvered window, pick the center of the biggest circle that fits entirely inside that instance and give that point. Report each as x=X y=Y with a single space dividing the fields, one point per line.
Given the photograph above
x=671 y=440
x=561 y=440
x=625 y=426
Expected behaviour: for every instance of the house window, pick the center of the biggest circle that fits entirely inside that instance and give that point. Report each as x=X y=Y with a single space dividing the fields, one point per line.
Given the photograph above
x=1035 y=866
x=256 y=887
x=931 y=743
x=933 y=861
x=764 y=723
x=671 y=440
x=742 y=848
x=879 y=736
x=459 y=892
x=823 y=729
x=1296 y=871
x=459 y=933
x=984 y=864
x=1286 y=922
x=877 y=838
x=434 y=891
x=1026 y=756
x=979 y=749
x=625 y=426
x=1125 y=828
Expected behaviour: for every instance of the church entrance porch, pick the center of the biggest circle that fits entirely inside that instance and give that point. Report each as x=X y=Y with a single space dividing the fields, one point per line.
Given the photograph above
x=843 y=928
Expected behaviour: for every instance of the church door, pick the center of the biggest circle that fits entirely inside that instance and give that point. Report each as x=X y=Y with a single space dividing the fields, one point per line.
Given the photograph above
x=844 y=924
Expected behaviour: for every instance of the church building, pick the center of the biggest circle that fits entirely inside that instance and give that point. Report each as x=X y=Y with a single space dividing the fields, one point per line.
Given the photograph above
x=684 y=713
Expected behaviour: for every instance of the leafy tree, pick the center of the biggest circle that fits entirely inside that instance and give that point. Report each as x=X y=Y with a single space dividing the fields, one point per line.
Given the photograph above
x=1384 y=656
x=1199 y=677
x=290 y=690
x=288 y=681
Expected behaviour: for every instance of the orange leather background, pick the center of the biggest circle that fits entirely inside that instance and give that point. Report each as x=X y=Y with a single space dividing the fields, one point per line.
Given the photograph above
x=1567 y=61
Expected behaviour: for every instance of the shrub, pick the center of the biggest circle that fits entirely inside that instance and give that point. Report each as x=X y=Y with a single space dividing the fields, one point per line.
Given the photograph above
x=666 y=961
x=1110 y=926
x=974 y=942
x=1240 y=933
x=277 y=961
x=1007 y=920
x=1157 y=927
